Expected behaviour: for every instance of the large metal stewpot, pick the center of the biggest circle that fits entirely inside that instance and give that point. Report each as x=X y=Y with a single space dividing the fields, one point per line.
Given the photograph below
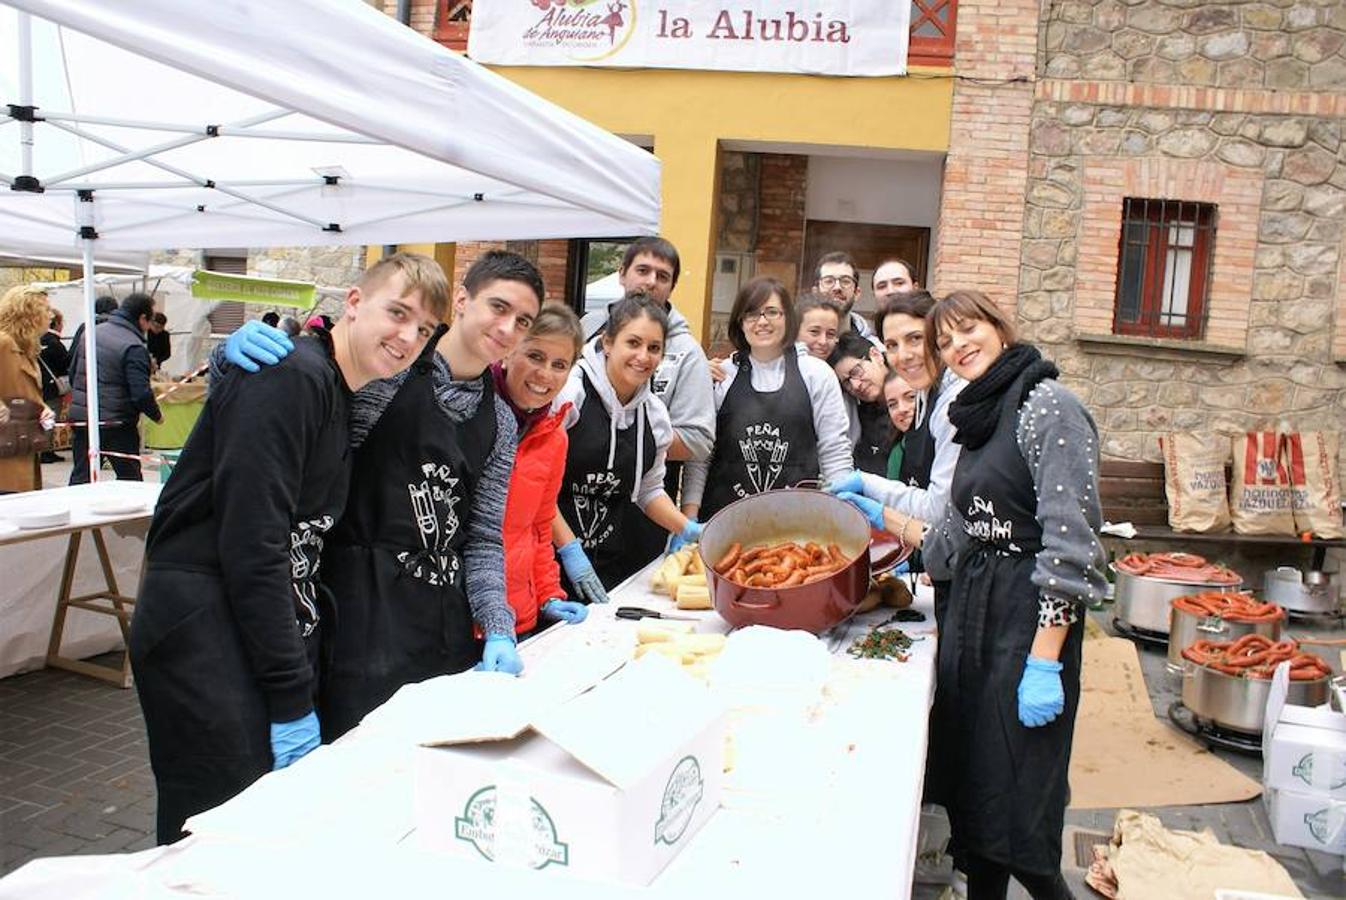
x=1238 y=703
x=1144 y=602
x=1186 y=628
x=800 y=515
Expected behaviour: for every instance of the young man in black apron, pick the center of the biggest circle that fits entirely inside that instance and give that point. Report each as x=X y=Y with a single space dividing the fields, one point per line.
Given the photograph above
x=682 y=382
x=224 y=640
x=419 y=557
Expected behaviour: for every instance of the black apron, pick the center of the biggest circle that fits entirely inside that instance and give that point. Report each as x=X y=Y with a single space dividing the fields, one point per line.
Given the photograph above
x=1006 y=785
x=763 y=441
x=918 y=447
x=876 y=438
x=395 y=563
x=645 y=537
x=595 y=499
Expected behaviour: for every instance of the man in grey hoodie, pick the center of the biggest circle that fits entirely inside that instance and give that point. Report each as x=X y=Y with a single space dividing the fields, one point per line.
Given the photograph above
x=682 y=380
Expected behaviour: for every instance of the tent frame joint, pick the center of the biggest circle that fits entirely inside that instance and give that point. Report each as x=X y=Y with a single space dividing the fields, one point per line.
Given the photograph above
x=212 y=131
x=21 y=113
x=333 y=227
x=28 y=184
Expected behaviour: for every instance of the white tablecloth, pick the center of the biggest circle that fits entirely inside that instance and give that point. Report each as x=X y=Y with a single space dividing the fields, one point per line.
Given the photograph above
x=32 y=562
x=339 y=823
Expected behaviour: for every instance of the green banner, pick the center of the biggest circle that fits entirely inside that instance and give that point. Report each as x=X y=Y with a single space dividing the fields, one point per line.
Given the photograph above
x=247 y=289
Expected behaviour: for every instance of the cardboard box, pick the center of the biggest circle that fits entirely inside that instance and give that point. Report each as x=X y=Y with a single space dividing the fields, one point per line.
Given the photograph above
x=1307 y=820
x=611 y=784
x=1304 y=748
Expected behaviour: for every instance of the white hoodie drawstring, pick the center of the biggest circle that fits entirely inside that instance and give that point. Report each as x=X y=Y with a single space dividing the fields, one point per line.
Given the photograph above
x=640 y=451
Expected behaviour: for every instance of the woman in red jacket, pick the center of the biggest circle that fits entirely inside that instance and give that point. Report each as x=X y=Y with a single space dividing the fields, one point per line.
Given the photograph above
x=529 y=379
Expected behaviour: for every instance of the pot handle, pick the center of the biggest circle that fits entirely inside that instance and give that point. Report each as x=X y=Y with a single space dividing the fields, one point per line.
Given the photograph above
x=889 y=559
x=1212 y=625
x=815 y=484
x=774 y=602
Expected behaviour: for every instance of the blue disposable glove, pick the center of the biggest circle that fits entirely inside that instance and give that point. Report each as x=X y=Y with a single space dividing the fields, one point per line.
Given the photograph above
x=564 y=611
x=849 y=483
x=901 y=568
x=257 y=342
x=871 y=509
x=581 y=573
x=1041 y=697
x=500 y=655
x=690 y=534
x=292 y=740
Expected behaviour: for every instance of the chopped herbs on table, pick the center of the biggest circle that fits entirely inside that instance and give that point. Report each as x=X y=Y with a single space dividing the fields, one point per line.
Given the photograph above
x=882 y=643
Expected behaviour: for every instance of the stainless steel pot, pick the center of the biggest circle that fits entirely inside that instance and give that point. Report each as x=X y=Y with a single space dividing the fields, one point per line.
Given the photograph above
x=1144 y=602
x=1186 y=628
x=1313 y=593
x=1239 y=703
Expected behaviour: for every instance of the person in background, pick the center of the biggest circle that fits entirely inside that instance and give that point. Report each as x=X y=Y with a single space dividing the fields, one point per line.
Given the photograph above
x=862 y=370
x=225 y=637
x=619 y=439
x=1024 y=524
x=836 y=276
x=819 y=323
x=901 y=400
x=681 y=381
x=417 y=562
x=124 y=392
x=159 y=341
x=24 y=315
x=290 y=325
x=54 y=361
x=103 y=307
x=272 y=318
x=781 y=418
x=893 y=278
x=529 y=379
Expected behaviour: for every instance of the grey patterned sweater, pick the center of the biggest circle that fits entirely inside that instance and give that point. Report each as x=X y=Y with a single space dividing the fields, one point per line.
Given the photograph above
x=1059 y=442
x=484 y=550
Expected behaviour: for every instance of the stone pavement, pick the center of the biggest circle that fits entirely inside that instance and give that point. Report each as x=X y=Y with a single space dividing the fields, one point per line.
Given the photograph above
x=74 y=770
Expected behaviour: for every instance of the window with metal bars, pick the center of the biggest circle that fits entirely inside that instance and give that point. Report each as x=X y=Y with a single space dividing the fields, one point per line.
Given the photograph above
x=1163 y=267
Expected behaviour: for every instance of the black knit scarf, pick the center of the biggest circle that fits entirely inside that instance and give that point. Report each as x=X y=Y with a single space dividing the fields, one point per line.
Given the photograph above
x=975 y=411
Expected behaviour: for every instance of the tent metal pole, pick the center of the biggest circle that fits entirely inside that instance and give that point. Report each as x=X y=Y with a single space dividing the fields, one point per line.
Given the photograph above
x=25 y=90
x=91 y=362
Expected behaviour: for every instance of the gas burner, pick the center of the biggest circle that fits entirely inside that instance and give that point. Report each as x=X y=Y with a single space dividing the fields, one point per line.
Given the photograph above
x=1213 y=735
x=1140 y=635
x=1325 y=619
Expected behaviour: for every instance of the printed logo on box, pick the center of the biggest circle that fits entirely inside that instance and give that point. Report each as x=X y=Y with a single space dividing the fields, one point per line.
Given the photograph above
x=1303 y=770
x=1325 y=825
x=476 y=826
x=681 y=796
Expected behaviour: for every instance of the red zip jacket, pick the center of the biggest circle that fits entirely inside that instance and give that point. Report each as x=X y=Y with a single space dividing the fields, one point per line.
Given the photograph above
x=532 y=576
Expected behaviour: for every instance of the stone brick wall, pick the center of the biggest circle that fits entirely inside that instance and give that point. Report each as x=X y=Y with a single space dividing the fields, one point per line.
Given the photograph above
x=550 y=257
x=1248 y=44
x=737 y=219
x=1239 y=104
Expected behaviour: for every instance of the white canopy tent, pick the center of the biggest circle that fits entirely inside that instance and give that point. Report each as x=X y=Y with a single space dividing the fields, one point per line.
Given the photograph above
x=158 y=124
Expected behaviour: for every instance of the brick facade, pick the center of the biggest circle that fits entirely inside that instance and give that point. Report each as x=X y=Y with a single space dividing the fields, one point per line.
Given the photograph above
x=982 y=210
x=783 y=180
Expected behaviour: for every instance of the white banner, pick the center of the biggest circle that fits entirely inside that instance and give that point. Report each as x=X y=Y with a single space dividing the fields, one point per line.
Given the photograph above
x=815 y=37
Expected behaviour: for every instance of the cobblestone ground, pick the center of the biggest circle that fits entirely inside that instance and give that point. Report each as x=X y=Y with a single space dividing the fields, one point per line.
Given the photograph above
x=75 y=778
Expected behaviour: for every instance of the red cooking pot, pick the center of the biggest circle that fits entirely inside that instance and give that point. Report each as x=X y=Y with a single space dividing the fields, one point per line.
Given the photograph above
x=801 y=515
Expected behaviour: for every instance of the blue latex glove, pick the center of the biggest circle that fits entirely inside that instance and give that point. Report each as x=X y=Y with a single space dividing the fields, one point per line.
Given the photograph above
x=293 y=740
x=257 y=342
x=871 y=509
x=500 y=655
x=690 y=534
x=564 y=610
x=1041 y=697
x=581 y=573
x=849 y=483
x=901 y=568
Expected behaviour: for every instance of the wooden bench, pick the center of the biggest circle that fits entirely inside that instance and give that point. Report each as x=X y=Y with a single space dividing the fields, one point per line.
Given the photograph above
x=1134 y=492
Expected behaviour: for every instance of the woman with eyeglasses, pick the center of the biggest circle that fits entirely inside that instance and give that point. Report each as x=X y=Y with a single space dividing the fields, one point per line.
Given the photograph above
x=862 y=370
x=780 y=418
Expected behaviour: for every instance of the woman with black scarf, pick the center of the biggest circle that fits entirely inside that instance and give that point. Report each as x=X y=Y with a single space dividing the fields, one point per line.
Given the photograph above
x=1024 y=516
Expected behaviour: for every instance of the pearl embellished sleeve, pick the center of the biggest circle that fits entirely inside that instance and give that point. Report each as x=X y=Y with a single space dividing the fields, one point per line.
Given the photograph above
x=1059 y=441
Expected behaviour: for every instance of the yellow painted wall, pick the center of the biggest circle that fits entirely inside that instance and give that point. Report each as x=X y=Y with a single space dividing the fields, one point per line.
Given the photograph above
x=688 y=113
